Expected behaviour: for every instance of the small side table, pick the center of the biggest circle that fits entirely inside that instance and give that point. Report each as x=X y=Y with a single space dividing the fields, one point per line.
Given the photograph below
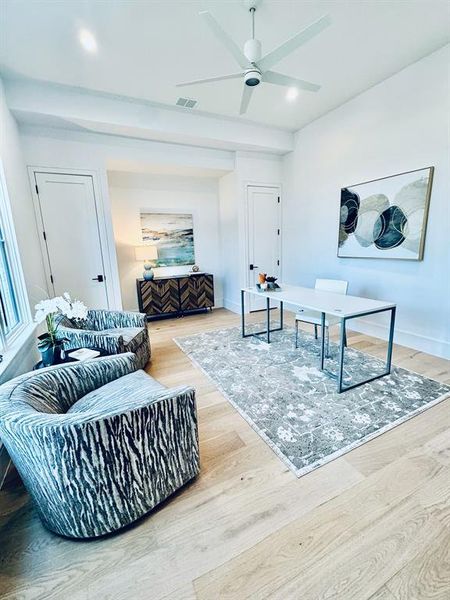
x=103 y=352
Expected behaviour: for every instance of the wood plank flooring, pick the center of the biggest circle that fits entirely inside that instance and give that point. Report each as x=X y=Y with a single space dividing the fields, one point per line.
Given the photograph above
x=373 y=524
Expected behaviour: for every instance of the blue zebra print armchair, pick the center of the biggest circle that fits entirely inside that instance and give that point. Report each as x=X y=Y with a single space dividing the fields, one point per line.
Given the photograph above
x=113 y=331
x=99 y=443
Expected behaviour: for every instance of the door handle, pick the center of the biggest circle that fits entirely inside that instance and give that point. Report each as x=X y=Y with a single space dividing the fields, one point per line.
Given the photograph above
x=98 y=278
x=252 y=267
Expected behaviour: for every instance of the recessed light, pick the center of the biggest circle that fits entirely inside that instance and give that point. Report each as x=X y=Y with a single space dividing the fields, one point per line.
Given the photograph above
x=87 y=40
x=291 y=94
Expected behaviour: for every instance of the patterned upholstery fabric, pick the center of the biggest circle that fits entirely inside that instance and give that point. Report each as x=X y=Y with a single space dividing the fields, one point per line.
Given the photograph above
x=113 y=331
x=133 y=387
x=94 y=470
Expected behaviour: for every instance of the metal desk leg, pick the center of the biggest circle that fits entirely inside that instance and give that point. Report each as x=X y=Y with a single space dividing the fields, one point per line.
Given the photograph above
x=322 y=342
x=391 y=341
x=266 y=332
x=242 y=314
x=343 y=388
x=342 y=345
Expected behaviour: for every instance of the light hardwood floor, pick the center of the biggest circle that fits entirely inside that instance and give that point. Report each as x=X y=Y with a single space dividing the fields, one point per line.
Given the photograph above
x=373 y=524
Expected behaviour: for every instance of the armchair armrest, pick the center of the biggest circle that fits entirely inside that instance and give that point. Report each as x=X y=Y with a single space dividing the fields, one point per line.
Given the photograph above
x=71 y=381
x=132 y=319
x=60 y=424
x=86 y=338
x=109 y=319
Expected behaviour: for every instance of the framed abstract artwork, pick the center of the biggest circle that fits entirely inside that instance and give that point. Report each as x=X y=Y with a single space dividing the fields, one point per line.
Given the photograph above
x=387 y=217
x=173 y=236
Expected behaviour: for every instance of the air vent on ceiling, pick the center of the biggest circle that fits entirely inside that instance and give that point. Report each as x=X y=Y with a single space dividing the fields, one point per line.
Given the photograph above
x=186 y=102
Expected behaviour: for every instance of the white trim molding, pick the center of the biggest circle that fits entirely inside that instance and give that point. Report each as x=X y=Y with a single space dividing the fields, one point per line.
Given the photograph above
x=415 y=341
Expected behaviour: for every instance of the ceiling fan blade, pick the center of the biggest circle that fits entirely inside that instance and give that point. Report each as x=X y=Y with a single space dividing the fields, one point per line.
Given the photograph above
x=272 y=58
x=226 y=40
x=219 y=78
x=246 y=95
x=280 y=79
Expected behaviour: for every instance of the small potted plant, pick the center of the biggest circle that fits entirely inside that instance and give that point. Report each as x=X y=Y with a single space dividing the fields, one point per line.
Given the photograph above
x=272 y=283
x=51 y=311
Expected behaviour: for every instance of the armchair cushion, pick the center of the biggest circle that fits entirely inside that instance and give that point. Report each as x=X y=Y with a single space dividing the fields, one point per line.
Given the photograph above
x=130 y=391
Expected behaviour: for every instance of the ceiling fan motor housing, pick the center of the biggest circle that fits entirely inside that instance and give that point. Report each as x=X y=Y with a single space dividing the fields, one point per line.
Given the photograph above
x=252 y=77
x=252 y=50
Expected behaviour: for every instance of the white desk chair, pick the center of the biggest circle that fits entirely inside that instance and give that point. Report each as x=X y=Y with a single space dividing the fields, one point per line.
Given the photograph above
x=338 y=286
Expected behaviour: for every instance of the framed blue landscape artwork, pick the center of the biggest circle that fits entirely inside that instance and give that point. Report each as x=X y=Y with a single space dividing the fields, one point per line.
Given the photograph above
x=386 y=218
x=173 y=236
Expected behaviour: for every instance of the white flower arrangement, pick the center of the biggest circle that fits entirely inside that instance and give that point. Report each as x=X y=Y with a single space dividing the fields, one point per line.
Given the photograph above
x=47 y=310
x=72 y=309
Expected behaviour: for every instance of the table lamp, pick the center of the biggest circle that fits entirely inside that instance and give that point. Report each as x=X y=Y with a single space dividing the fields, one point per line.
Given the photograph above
x=146 y=254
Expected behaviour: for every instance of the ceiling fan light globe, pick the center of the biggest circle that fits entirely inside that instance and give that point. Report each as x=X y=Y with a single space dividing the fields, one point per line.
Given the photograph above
x=252 y=77
x=252 y=50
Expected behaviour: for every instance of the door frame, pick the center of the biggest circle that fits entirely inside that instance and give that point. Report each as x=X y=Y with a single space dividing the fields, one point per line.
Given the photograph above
x=101 y=225
x=274 y=186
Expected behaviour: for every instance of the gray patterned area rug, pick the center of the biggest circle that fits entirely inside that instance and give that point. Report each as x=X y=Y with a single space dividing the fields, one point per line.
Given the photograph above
x=295 y=407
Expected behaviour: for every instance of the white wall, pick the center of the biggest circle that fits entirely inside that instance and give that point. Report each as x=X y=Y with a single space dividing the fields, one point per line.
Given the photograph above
x=71 y=150
x=399 y=125
x=21 y=203
x=132 y=192
x=250 y=168
x=229 y=239
x=79 y=152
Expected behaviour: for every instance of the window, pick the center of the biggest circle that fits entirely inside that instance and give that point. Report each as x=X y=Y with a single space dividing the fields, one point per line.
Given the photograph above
x=8 y=305
x=14 y=310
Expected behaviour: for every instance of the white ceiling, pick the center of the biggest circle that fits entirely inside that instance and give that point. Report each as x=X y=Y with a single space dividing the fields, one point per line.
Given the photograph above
x=146 y=47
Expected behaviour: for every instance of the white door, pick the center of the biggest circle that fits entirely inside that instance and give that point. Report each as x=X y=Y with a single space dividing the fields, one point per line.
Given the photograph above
x=71 y=240
x=264 y=236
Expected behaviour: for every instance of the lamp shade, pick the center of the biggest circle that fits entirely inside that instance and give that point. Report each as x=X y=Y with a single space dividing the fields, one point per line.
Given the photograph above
x=144 y=253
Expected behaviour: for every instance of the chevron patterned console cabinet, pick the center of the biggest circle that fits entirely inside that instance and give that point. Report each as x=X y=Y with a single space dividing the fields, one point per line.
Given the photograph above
x=176 y=295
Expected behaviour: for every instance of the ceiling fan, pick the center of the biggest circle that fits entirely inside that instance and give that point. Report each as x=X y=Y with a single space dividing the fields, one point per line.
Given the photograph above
x=256 y=69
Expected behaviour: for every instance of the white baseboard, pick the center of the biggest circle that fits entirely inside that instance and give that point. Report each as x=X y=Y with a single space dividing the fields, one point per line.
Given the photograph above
x=236 y=306
x=218 y=302
x=409 y=339
x=230 y=305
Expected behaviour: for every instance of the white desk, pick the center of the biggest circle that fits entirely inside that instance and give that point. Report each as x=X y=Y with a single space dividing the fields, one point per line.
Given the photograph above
x=339 y=305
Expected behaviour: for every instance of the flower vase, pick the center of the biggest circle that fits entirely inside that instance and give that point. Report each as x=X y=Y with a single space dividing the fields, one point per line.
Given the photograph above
x=52 y=354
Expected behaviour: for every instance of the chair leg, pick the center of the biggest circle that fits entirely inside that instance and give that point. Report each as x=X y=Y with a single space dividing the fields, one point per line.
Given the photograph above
x=315 y=332
x=296 y=333
x=328 y=342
